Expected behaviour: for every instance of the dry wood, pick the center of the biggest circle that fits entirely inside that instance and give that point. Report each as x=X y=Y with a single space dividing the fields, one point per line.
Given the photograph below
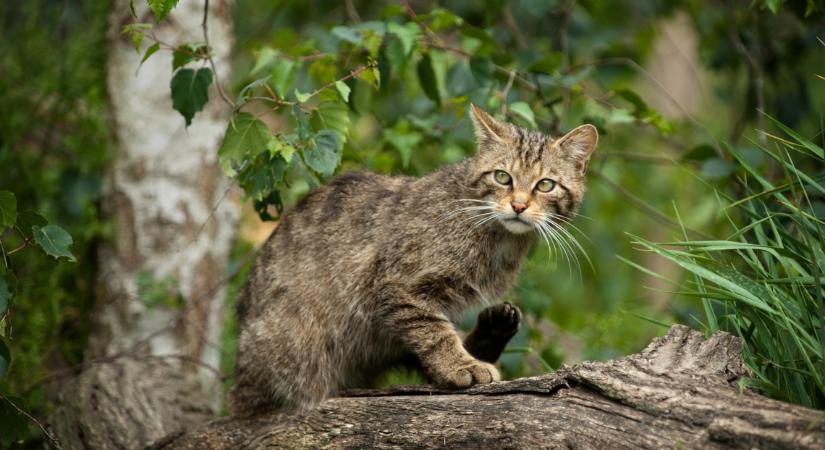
x=681 y=391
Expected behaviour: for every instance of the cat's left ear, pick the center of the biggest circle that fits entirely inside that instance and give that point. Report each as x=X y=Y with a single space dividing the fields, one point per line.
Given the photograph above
x=579 y=144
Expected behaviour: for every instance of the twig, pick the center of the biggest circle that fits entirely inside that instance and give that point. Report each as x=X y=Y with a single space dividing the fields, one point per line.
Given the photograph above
x=31 y=418
x=209 y=56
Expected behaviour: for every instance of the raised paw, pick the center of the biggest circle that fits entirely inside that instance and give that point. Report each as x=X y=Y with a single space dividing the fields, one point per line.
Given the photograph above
x=500 y=320
x=468 y=374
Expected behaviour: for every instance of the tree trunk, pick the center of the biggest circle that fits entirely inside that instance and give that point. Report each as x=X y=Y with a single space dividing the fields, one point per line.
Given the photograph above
x=149 y=367
x=679 y=392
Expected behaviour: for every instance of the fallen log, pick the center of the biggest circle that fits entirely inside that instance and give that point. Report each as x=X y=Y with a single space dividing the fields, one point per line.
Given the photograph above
x=682 y=391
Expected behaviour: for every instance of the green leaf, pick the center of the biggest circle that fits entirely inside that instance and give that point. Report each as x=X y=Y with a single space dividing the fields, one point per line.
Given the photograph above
x=524 y=111
x=774 y=5
x=27 y=219
x=186 y=53
x=343 y=89
x=55 y=241
x=278 y=146
x=407 y=34
x=135 y=32
x=149 y=52
x=190 y=91
x=247 y=91
x=8 y=209
x=283 y=74
x=245 y=138
x=302 y=97
x=263 y=175
x=403 y=139
x=5 y=359
x=5 y=296
x=266 y=57
x=304 y=132
x=333 y=116
x=161 y=8
x=440 y=19
x=426 y=76
x=348 y=34
x=323 y=152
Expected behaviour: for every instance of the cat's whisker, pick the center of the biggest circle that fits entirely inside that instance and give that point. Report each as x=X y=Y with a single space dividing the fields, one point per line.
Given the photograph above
x=557 y=247
x=572 y=241
x=551 y=248
x=455 y=212
x=569 y=222
x=569 y=252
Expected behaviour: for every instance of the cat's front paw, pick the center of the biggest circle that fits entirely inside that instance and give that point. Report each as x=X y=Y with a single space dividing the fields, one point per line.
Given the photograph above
x=501 y=321
x=467 y=374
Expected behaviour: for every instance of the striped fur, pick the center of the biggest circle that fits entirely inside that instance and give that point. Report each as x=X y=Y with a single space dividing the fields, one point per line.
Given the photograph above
x=370 y=270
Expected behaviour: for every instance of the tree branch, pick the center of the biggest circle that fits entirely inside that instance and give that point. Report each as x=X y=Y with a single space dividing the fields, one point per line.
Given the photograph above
x=681 y=391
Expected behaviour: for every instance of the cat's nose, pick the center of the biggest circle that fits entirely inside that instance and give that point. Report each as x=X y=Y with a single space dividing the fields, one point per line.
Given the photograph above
x=518 y=207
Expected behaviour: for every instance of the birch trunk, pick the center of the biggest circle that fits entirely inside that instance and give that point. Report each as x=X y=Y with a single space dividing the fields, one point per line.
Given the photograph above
x=147 y=371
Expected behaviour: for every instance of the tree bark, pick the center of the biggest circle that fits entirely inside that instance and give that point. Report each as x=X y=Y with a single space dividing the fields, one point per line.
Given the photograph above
x=149 y=368
x=680 y=392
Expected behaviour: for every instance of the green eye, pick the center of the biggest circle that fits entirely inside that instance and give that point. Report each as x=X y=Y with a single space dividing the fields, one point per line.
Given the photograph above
x=502 y=177
x=545 y=185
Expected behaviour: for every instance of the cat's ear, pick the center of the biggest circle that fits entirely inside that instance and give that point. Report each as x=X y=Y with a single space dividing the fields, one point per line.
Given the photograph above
x=579 y=144
x=486 y=127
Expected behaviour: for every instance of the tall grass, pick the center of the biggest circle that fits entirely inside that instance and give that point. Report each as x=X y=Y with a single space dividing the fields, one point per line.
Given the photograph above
x=765 y=281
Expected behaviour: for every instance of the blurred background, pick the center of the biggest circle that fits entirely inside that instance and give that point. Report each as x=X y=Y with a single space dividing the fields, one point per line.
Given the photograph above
x=691 y=99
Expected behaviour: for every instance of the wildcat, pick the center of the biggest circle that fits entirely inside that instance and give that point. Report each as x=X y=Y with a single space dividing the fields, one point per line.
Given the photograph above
x=370 y=269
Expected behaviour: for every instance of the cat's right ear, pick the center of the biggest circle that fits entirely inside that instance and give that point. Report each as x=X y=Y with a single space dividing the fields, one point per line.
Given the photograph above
x=486 y=127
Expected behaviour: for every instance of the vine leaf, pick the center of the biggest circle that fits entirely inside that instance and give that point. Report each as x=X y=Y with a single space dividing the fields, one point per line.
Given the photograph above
x=8 y=209
x=323 y=152
x=190 y=91
x=245 y=138
x=55 y=241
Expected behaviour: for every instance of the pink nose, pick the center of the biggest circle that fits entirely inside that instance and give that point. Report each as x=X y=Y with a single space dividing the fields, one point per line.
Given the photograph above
x=518 y=207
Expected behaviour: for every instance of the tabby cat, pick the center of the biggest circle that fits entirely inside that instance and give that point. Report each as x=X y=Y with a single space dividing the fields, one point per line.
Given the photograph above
x=371 y=269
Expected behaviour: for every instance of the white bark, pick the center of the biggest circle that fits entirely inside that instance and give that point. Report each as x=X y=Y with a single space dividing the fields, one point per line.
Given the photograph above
x=172 y=217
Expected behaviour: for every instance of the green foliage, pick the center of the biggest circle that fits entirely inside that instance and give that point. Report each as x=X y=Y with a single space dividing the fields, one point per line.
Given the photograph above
x=765 y=281
x=190 y=91
x=53 y=151
x=161 y=8
x=54 y=240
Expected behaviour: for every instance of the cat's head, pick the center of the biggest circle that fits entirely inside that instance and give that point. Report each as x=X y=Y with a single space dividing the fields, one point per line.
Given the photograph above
x=525 y=179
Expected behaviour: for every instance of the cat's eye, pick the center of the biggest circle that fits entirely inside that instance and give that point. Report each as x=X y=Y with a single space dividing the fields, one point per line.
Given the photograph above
x=545 y=185
x=502 y=177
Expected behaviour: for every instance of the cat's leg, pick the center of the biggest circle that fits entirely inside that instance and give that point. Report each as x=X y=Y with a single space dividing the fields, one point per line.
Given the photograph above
x=428 y=333
x=494 y=328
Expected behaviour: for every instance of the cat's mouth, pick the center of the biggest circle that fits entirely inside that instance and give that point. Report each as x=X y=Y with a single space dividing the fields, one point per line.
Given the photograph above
x=516 y=225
